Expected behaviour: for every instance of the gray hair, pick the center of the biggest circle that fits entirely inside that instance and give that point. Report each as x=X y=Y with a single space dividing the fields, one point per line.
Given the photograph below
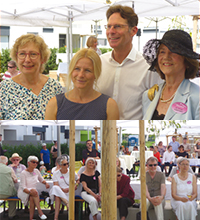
x=30 y=158
x=3 y=159
x=60 y=160
x=182 y=159
x=152 y=159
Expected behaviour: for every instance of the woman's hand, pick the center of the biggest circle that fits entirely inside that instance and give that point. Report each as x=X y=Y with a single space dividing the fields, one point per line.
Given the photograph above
x=66 y=190
x=47 y=185
x=184 y=199
x=97 y=197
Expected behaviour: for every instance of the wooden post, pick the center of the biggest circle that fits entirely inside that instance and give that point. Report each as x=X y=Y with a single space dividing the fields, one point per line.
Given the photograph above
x=142 y=169
x=117 y=141
x=167 y=140
x=108 y=171
x=96 y=141
x=194 y=34
x=71 y=169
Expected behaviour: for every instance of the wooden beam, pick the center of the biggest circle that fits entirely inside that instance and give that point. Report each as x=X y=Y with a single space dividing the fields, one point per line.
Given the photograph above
x=71 y=170
x=142 y=169
x=108 y=171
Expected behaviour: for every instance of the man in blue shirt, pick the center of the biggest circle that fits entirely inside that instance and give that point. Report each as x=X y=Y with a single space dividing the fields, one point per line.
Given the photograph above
x=175 y=145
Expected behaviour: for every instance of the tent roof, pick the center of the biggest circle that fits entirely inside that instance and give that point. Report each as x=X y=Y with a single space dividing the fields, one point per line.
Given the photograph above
x=57 y=13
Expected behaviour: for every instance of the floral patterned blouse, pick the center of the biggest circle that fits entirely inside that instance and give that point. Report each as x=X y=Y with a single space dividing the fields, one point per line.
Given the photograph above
x=19 y=103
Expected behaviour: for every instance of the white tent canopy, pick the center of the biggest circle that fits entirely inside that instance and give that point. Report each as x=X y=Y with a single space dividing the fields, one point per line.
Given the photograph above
x=48 y=13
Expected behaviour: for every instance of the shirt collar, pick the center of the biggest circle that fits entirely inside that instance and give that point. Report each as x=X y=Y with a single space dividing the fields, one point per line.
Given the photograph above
x=131 y=56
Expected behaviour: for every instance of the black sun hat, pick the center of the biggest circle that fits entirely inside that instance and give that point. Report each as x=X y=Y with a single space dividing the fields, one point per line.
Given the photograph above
x=177 y=41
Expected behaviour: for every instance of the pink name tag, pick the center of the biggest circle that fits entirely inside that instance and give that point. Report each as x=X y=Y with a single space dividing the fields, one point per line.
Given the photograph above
x=179 y=107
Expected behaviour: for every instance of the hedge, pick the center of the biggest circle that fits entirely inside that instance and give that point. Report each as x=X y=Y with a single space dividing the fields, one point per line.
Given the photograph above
x=30 y=149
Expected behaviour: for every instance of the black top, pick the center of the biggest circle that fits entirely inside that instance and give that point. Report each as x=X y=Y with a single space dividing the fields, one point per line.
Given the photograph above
x=94 y=110
x=92 y=181
x=1 y=150
x=156 y=116
x=86 y=153
x=183 y=154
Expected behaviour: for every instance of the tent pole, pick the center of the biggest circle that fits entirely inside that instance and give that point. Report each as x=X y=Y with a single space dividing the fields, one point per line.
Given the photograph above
x=71 y=169
x=194 y=34
x=58 y=140
x=70 y=33
x=67 y=43
x=142 y=168
x=108 y=171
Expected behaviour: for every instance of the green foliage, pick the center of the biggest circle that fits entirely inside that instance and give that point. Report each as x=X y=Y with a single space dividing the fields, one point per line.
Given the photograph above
x=5 y=58
x=156 y=126
x=51 y=64
x=105 y=50
x=30 y=149
x=62 y=50
x=178 y=22
x=75 y=50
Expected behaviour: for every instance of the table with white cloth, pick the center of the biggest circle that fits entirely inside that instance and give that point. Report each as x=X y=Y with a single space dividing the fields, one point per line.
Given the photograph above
x=62 y=68
x=135 y=184
x=136 y=154
x=129 y=161
x=194 y=162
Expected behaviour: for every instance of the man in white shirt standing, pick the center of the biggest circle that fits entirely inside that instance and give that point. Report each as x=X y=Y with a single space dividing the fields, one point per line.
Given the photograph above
x=125 y=74
x=168 y=159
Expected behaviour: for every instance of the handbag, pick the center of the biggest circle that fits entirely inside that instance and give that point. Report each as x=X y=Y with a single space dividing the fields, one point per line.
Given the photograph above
x=138 y=216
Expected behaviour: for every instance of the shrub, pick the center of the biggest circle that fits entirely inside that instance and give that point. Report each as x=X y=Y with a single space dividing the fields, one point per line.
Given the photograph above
x=51 y=64
x=62 y=50
x=105 y=50
x=5 y=58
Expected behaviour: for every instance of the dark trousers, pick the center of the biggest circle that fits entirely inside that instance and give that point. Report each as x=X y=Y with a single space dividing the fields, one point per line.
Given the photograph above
x=167 y=164
x=123 y=205
x=47 y=166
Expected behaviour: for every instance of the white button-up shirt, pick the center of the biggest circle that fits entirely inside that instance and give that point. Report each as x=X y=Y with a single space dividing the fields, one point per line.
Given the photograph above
x=168 y=157
x=126 y=82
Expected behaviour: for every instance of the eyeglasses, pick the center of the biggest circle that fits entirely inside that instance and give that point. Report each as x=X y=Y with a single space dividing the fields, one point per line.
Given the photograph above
x=153 y=165
x=65 y=164
x=11 y=67
x=32 y=55
x=34 y=162
x=183 y=164
x=117 y=27
x=15 y=159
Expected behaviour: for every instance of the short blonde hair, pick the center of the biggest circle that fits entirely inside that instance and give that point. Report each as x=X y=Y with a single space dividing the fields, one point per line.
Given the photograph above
x=90 y=41
x=27 y=38
x=84 y=53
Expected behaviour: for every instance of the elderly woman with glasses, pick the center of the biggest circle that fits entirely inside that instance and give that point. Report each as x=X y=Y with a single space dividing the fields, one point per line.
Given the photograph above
x=125 y=194
x=184 y=192
x=27 y=188
x=60 y=189
x=25 y=96
x=91 y=182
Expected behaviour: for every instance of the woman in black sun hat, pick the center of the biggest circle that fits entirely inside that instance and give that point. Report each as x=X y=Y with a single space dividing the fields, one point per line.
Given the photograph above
x=176 y=62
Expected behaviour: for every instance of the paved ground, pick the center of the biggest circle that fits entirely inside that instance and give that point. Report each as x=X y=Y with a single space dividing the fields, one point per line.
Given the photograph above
x=25 y=216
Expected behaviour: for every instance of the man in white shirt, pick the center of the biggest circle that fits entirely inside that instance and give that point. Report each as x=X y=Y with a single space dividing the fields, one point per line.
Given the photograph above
x=168 y=159
x=125 y=74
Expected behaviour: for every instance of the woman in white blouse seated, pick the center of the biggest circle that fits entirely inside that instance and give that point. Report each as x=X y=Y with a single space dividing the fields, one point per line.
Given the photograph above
x=60 y=189
x=184 y=192
x=27 y=188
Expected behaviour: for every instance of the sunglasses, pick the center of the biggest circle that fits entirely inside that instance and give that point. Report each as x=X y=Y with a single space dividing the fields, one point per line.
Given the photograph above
x=153 y=165
x=65 y=164
x=34 y=162
x=118 y=175
x=11 y=67
x=15 y=159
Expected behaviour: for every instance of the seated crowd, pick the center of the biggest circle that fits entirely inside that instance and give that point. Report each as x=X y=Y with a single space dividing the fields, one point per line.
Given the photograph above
x=19 y=180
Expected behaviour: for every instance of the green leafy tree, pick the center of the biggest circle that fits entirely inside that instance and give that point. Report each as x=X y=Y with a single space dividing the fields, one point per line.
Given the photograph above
x=5 y=58
x=156 y=126
x=51 y=64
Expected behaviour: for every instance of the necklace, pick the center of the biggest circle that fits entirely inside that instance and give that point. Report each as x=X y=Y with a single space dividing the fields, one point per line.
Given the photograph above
x=167 y=100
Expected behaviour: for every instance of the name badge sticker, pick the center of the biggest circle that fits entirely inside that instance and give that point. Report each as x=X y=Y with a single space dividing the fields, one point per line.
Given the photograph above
x=179 y=107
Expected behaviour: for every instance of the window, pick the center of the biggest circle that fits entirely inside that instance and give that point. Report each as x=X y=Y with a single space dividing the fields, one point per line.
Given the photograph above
x=48 y=30
x=62 y=40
